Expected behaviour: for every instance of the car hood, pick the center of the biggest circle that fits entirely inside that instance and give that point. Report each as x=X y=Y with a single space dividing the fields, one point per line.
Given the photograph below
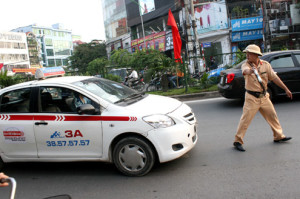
x=155 y=104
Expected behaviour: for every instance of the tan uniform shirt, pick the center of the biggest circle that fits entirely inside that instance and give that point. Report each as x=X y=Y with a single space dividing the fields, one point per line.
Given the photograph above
x=266 y=73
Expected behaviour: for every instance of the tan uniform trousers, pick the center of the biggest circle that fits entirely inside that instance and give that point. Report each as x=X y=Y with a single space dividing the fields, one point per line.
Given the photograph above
x=266 y=108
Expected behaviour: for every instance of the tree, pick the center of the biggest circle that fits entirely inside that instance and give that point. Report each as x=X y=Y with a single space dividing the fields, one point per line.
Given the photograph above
x=97 y=67
x=85 y=53
x=153 y=60
x=6 y=80
x=121 y=58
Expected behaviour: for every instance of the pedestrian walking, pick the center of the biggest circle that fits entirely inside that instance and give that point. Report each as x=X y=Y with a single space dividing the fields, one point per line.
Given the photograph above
x=257 y=73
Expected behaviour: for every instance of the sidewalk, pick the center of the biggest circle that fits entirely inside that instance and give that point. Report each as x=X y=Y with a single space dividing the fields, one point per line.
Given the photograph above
x=197 y=96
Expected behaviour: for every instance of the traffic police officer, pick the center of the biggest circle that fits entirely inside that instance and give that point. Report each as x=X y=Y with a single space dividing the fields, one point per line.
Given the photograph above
x=257 y=73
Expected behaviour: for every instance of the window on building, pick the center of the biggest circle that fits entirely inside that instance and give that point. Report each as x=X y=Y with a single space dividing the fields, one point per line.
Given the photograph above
x=49 y=52
x=48 y=42
x=58 y=62
x=51 y=62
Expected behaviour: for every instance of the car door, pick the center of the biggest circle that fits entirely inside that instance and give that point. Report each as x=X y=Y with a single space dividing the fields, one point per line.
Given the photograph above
x=16 y=123
x=60 y=131
x=284 y=66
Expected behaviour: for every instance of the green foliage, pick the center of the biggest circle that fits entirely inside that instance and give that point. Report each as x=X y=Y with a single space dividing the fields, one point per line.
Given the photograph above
x=240 y=56
x=84 y=54
x=97 y=67
x=6 y=81
x=114 y=78
x=206 y=82
x=121 y=58
x=152 y=60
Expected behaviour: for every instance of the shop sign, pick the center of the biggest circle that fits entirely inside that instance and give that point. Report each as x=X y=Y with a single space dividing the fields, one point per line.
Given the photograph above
x=169 y=40
x=206 y=45
x=24 y=70
x=146 y=6
x=210 y=17
x=247 y=24
x=155 y=41
x=247 y=35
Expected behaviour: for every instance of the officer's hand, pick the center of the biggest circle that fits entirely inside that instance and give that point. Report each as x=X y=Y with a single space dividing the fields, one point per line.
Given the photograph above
x=3 y=176
x=289 y=93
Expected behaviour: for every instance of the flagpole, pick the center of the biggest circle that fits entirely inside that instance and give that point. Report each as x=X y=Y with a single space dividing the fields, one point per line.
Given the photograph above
x=142 y=22
x=143 y=31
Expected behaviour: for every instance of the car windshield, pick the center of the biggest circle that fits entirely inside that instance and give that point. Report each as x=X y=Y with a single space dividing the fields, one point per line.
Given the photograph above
x=108 y=90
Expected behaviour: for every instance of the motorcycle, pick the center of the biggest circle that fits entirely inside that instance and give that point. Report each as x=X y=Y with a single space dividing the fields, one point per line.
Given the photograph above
x=154 y=84
x=13 y=184
x=138 y=84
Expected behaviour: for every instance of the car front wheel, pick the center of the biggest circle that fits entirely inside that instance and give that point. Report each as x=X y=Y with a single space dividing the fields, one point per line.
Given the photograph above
x=133 y=156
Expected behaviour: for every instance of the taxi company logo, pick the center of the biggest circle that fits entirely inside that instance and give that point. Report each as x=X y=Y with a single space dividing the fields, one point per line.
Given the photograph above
x=14 y=134
x=56 y=135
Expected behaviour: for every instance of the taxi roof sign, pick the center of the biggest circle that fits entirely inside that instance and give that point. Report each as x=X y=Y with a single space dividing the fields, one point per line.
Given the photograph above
x=45 y=72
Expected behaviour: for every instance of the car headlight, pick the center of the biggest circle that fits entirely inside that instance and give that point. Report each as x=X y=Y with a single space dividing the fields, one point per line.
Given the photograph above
x=159 y=121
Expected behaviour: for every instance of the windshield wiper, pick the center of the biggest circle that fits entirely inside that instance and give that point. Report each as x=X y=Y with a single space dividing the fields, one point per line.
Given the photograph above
x=135 y=95
x=132 y=96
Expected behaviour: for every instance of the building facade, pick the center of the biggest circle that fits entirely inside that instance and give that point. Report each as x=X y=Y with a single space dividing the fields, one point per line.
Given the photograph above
x=221 y=27
x=13 y=51
x=33 y=50
x=55 y=43
x=115 y=23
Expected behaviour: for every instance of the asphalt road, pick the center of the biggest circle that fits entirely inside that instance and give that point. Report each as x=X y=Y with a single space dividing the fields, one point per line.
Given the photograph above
x=213 y=169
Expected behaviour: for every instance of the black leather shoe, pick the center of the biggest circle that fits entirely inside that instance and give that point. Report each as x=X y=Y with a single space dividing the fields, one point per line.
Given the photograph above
x=238 y=146
x=283 y=139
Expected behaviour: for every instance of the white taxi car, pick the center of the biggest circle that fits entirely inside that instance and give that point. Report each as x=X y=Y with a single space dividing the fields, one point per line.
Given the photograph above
x=92 y=119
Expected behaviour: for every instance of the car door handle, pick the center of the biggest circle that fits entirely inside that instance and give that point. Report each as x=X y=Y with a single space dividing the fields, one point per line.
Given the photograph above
x=41 y=123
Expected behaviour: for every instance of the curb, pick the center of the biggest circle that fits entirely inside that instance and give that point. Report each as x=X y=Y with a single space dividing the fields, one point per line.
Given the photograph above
x=197 y=96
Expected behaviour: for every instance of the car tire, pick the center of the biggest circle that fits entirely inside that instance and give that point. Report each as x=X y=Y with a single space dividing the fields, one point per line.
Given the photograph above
x=133 y=156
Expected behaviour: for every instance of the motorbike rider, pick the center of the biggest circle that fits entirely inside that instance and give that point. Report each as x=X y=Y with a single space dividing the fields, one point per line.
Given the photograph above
x=132 y=77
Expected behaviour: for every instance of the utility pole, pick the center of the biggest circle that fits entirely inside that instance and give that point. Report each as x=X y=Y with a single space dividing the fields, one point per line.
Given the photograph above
x=266 y=33
x=187 y=27
x=196 y=42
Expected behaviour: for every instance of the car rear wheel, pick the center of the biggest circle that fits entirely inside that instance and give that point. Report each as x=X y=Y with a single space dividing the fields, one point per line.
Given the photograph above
x=133 y=156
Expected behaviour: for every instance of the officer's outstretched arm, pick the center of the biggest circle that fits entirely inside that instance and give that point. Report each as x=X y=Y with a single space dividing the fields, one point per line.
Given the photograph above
x=279 y=83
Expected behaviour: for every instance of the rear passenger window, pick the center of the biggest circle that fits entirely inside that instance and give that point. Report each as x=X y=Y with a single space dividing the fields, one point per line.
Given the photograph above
x=298 y=58
x=284 y=61
x=16 y=101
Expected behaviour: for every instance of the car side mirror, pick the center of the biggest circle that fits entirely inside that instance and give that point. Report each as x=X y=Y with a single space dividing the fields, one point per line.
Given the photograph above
x=87 y=109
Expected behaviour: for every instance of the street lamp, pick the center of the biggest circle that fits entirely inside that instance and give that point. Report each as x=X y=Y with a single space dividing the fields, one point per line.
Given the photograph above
x=141 y=21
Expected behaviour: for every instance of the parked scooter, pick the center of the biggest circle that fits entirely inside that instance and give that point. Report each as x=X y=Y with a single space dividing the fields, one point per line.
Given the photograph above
x=13 y=184
x=138 y=84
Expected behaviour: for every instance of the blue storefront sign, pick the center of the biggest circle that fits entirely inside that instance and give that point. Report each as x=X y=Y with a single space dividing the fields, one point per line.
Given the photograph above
x=247 y=35
x=247 y=24
x=206 y=44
